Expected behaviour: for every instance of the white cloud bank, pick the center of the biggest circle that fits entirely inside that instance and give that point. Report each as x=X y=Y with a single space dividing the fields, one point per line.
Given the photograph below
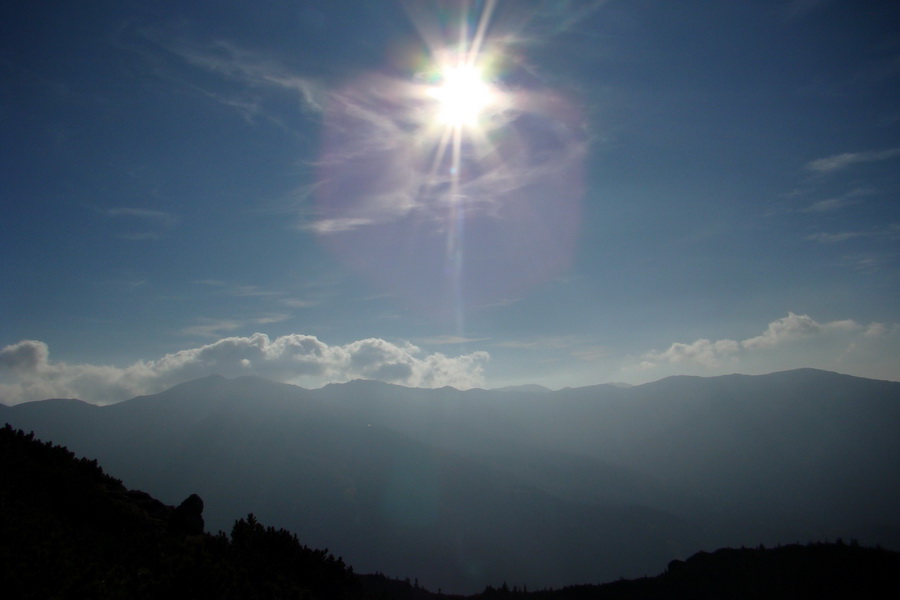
x=790 y=342
x=27 y=372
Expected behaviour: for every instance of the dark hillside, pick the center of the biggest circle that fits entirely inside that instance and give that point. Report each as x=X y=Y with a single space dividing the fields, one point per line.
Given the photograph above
x=68 y=530
x=818 y=571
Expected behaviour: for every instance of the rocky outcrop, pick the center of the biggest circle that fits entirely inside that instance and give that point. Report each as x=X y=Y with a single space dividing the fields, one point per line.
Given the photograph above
x=188 y=517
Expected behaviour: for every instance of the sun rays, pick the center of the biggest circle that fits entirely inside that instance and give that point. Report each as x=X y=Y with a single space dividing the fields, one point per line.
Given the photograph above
x=455 y=180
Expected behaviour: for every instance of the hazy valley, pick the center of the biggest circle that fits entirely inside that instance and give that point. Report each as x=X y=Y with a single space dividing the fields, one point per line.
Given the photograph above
x=537 y=488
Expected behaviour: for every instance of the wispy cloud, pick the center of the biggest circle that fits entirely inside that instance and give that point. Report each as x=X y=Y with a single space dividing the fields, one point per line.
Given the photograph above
x=890 y=233
x=141 y=223
x=839 y=202
x=244 y=81
x=299 y=302
x=830 y=204
x=236 y=290
x=833 y=238
x=250 y=291
x=141 y=213
x=253 y=71
x=212 y=327
x=827 y=205
x=836 y=162
x=338 y=225
x=27 y=372
x=572 y=345
x=559 y=342
x=870 y=262
x=443 y=340
x=207 y=327
x=593 y=353
x=275 y=300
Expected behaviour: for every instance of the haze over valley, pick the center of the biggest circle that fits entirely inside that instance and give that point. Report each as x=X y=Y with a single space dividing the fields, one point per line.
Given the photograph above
x=461 y=489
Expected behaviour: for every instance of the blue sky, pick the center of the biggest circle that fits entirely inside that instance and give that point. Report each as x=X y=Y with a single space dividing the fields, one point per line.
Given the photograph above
x=269 y=188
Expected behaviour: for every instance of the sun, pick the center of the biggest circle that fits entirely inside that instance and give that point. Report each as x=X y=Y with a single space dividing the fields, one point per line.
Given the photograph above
x=462 y=96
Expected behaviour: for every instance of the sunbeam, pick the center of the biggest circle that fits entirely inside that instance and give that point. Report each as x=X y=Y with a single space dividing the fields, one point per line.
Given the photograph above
x=463 y=96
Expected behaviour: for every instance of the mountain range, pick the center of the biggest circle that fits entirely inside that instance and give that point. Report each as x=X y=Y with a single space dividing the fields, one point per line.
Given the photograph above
x=525 y=486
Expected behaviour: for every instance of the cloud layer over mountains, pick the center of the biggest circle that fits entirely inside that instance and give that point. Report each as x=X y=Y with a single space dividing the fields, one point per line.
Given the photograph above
x=27 y=372
x=295 y=358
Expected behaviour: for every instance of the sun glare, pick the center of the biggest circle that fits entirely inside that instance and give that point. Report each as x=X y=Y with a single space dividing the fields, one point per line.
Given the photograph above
x=454 y=175
x=462 y=96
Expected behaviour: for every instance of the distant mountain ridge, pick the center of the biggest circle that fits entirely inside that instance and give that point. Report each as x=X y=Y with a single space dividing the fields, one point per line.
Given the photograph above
x=528 y=387
x=543 y=489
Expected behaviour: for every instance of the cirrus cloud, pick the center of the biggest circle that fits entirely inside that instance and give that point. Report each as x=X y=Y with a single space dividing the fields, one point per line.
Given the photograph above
x=27 y=372
x=837 y=162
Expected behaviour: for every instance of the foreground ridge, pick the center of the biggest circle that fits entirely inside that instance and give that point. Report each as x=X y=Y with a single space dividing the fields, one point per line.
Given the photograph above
x=814 y=570
x=68 y=530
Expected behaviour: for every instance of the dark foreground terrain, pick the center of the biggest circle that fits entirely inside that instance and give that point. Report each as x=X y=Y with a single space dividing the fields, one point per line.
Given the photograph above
x=68 y=530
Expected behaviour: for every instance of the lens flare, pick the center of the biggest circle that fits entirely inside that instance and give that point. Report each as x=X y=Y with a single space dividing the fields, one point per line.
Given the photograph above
x=457 y=187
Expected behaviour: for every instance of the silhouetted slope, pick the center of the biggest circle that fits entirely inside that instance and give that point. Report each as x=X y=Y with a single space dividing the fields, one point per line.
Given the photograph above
x=68 y=530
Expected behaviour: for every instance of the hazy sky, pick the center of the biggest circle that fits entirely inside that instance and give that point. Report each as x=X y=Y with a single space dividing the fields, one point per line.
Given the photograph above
x=275 y=188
